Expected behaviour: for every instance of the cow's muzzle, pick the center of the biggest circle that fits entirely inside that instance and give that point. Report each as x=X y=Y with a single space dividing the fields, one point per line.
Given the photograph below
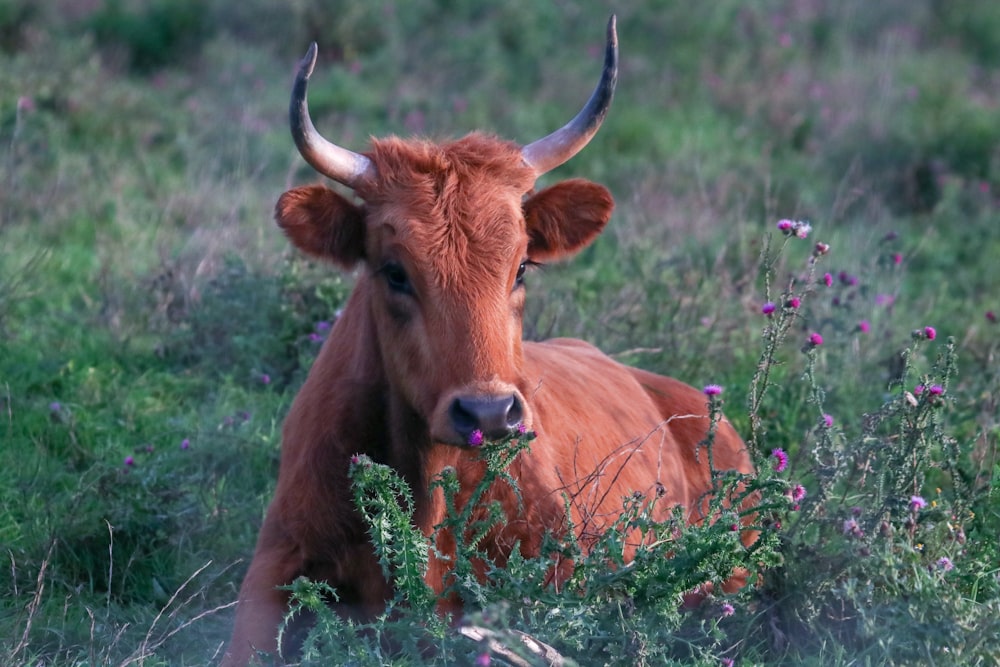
x=494 y=417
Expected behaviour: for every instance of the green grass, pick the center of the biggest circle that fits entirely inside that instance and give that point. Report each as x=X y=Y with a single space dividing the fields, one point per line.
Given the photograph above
x=145 y=294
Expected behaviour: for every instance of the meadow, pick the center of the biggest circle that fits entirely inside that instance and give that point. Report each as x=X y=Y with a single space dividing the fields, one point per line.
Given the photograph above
x=155 y=325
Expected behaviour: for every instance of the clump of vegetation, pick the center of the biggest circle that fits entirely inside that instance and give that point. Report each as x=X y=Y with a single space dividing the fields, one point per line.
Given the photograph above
x=154 y=327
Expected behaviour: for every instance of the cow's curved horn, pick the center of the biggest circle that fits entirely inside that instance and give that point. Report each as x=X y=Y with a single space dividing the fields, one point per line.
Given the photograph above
x=549 y=152
x=344 y=166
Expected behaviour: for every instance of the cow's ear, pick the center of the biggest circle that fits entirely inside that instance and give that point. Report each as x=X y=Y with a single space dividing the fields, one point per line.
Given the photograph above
x=323 y=224
x=565 y=218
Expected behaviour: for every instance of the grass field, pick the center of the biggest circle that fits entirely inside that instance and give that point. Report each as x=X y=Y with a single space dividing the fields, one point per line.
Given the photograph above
x=155 y=325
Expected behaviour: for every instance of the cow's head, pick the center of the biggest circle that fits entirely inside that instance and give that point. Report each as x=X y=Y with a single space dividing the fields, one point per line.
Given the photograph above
x=446 y=232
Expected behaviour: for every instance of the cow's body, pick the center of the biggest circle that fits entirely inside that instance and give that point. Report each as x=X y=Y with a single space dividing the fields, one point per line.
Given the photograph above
x=428 y=350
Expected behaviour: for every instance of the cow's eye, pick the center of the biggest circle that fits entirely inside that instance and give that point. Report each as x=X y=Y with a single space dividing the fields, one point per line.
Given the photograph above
x=519 y=280
x=396 y=278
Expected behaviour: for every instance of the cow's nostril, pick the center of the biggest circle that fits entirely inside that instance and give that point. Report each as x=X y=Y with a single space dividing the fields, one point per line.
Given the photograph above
x=494 y=416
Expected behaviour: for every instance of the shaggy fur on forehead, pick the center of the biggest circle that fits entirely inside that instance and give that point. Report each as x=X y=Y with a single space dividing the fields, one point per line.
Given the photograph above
x=451 y=201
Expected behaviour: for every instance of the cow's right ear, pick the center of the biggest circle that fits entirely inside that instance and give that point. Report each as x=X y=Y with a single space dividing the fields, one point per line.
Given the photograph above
x=321 y=223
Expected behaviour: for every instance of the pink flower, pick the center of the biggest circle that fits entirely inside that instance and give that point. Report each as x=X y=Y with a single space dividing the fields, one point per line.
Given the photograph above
x=828 y=420
x=781 y=459
x=767 y=308
x=864 y=326
x=129 y=461
x=521 y=428
x=936 y=389
x=930 y=333
x=897 y=259
x=828 y=280
x=884 y=300
x=991 y=317
x=917 y=503
x=852 y=528
x=265 y=378
x=185 y=443
x=483 y=660
x=727 y=610
x=815 y=340
x=821 y=249
x=476 y=438
x=944 y=563
x=794 y=302
x=785 y=226
x=712 y=390
x=798 y=493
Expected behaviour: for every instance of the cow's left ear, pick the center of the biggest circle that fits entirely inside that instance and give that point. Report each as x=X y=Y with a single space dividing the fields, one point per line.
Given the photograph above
x=565 y=218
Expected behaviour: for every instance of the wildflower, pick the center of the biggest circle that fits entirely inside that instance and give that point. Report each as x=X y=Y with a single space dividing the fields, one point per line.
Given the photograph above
x=936 y=389
x=315 y=338
x=852 y=528
x=185 y=443
x=483 y=660
x=884 y=300
x=54 y=406
x=476 y=438
x=712 y=390
x=521 y=428
x=815 y=340
x=897 y=259
x=864 y=326
x=265 y=378
x=917 y=503
x=355 y=460
x=828 y=420
x=798 y=493
x=803 y=229
x=727 y=662
x=930 y=333
x=800 y=229
x=786 y=226
x=828 y=280
x=323 y=326
x=794 y=302
x=727 y=610
x=129 y=460
x=991 y=316
x=781 y=459
x=919 y=389
x=944 y=563
x=767 y=308
x=821 y=249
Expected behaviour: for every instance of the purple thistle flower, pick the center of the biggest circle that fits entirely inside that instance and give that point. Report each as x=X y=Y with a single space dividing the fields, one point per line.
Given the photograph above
x=944 y=563
x=828 y=280
x=483 y=660
x=315 y=338
x=919 y=389
x=781 y=459
x=794 y=302
x=767 y=308
x=54 y=406
x=828 y=420
x=129 y=460
x=852 y=528
x=727 y=610
x=521 y=428
x=884 y=299
x=930 y=333
x=322 y=326
x=798 y=493
x=265 y=378
x=991 y=317
x=864 y=326
x=476 y=438
x=815 y=340
x=917 y=503
x=786 y=226
x=821 y=249
x=897 y=259
x=727 y=662
x=185 y=443
x=712 y=390
x=936 y=389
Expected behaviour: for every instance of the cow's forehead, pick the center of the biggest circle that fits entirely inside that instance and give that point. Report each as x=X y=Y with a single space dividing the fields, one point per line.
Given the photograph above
x=455 y=207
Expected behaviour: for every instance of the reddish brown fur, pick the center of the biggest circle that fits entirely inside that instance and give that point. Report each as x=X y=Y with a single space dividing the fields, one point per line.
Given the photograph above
x=460 y=218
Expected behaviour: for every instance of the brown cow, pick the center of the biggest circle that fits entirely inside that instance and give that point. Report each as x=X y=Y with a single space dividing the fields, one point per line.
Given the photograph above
x=428 y=350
